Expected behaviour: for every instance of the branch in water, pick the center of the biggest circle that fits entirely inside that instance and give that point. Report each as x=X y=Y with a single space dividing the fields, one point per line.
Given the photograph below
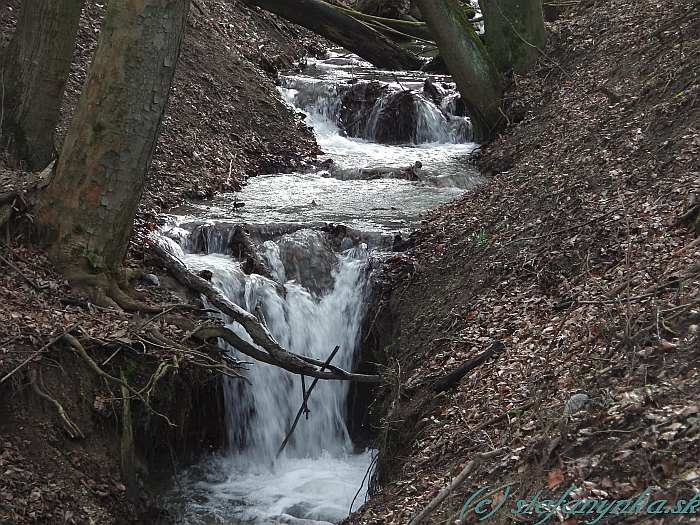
x=273 y=353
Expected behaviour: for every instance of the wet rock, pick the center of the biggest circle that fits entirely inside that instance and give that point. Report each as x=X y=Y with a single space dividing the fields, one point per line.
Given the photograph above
x=309 y=260
x=372 y=111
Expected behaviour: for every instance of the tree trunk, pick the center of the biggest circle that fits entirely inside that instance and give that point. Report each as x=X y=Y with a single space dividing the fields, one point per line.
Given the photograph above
x=515 y=32
x=469 y=63
x=35 y=67
x=86 y=211
x=344 y=30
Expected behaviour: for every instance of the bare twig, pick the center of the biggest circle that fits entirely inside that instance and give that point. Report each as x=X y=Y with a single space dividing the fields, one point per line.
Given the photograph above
x=303 y=403
x=31 y=357
x=435 y=503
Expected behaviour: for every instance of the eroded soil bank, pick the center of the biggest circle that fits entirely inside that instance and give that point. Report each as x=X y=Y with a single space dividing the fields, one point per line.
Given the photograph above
x=580 y=258
x=224 y=122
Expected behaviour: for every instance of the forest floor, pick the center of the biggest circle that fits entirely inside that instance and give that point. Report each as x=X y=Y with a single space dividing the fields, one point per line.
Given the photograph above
x=581 y=257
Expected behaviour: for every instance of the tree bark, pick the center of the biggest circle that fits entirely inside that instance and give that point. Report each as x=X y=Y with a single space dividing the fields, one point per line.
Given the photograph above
x=344 y=30
x=86 y=211
x=469 y=63
x=35 y=67
x=515 y=32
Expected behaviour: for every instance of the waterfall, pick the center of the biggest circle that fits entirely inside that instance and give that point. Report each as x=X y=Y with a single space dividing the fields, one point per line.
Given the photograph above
x=307 y=322
x=378 y=112
x=316 y=294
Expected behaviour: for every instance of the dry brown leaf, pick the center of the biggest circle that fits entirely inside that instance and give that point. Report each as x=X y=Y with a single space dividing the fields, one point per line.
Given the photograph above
x=622 y=455
x=554 y=478
x=496 y=500
x=668 y=466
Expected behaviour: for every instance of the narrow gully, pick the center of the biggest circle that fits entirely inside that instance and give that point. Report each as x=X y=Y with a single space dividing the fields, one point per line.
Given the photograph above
x=318 y=288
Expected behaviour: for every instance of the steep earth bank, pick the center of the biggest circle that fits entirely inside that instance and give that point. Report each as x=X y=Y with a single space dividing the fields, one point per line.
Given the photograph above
x=580 y=258
x=224 y=123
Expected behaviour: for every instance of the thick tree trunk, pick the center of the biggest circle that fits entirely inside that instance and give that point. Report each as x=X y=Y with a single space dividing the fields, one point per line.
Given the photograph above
x=86 y=212
x=353 y=35
x=469 y=63
x=35 y=67
x=515 y=32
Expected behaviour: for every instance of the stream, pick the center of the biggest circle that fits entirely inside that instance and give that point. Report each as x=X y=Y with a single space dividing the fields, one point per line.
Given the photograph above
x=317 y=291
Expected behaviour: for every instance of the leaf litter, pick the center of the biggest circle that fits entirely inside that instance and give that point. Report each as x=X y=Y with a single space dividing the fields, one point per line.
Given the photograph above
x=580 y=255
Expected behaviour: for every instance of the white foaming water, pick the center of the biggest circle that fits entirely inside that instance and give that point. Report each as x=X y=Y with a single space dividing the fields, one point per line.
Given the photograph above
x=318 y=474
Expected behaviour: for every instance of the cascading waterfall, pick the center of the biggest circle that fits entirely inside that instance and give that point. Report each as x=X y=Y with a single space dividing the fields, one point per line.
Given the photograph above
x=259 y=416
x=317 y=296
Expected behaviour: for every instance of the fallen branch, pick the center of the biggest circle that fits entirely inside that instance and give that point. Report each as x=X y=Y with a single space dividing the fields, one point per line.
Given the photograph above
x=246 y=348
x=71 y=428
x=435 y=503
x=274 y=354
x=344 y=30
x=450 y=379
x=78 y=349
x=304 y=400
x=29 y=281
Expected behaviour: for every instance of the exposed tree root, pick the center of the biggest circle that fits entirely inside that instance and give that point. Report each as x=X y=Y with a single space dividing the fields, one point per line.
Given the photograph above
x=128 y=303
x=128 y=457
x=70 y=427
x=80 y=351
x=43 y=348
x=159 y=374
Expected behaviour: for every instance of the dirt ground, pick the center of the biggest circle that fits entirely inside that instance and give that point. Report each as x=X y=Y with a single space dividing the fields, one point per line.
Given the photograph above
x=580 y=258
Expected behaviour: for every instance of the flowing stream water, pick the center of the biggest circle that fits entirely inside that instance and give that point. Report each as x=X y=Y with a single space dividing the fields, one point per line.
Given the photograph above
x=316 y=294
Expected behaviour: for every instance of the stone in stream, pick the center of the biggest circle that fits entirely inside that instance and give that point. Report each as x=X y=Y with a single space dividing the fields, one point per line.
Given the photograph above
x=373 y=111
x=309 y=260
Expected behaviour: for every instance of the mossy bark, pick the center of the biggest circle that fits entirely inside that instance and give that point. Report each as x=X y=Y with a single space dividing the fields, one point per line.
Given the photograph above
x=515 y=32
x=35 y=66
x=86 y=211
x=469 y=63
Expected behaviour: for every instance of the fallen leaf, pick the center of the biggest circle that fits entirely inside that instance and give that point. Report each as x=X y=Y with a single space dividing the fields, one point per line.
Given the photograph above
x=622 y=455
x=668 y=466
x=496 y=500
x=666 y=346
x=555 y=478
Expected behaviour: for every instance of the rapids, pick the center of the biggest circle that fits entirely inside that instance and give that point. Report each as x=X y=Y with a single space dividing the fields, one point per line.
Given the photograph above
x=317 y=296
